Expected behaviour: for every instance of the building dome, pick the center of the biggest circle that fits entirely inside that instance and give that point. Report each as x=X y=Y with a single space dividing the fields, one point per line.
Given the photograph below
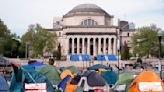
x=86 y=9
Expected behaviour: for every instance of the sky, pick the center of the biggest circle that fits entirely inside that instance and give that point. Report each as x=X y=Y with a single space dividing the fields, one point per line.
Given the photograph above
x=19 y=14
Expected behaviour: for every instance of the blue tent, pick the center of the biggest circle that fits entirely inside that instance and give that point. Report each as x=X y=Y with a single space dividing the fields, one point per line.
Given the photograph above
x=85 y=57
x=112 y=57
x=101 y=57
x=74 y=57
x=97 y=66
x=34 y=64
x=4 y=86
x=27 y=75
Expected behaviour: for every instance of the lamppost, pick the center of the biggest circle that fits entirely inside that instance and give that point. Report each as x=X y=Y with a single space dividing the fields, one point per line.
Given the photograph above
x=160 y=50
x=26 y=52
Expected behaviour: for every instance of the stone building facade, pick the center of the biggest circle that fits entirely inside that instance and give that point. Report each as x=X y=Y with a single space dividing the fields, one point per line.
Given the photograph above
x=88 y=29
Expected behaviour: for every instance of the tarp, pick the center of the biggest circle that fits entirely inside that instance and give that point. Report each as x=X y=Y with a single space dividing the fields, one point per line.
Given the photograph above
x=62 y=84
x=97 y=66
x=50 y=72
x=4 y=86
x=147 y=77
x=28 y=76
x=110 y=76
x=65 y=73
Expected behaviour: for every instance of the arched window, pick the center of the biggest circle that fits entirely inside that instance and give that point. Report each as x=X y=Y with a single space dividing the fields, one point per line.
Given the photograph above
x=89 y=22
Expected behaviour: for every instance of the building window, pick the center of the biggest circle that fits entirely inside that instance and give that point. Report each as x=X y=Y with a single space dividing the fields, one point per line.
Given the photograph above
x=89 y=22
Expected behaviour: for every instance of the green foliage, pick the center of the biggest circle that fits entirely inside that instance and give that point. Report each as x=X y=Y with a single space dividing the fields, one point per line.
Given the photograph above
x=57 y=55
x=9 y=43
x=40 y=40
x=125 y=55
x=145 y=41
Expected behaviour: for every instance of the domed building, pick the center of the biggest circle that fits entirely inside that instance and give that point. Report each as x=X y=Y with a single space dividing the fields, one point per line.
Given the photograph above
x=86 y=29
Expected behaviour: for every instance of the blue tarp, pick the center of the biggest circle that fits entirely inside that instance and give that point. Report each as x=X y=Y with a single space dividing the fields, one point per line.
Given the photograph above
x=101 y=57
x=97 y=66
x=3 y=85
x=74 y=57
x=63 y=83
x=85 y=57
x=112 y=57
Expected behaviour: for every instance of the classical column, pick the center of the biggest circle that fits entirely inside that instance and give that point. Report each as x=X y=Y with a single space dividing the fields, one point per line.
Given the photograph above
x=73 y=46
x=114 y=46
x=99 y=45
x=94 y=46
x=67 y=46
x=109 y=46
x=104 y=46
x=88 y=46
x=83 y=50
x=78 y=45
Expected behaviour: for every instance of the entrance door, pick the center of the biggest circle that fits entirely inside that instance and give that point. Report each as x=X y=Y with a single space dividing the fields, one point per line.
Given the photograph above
x=91 y=49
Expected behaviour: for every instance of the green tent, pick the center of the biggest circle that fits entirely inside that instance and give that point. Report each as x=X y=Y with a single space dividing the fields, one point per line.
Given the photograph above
x=72 y=68
x=124 y=79
x=50 y=72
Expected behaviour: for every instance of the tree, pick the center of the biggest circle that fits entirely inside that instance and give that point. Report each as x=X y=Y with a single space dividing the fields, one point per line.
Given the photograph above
x=125 y=52
x=4 y=36
x=57 y=55
x=41 y=40
x=145 y=41
x=9 y=42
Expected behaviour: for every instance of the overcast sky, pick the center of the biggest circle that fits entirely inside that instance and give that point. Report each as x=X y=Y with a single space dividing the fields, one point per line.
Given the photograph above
x=18 y=14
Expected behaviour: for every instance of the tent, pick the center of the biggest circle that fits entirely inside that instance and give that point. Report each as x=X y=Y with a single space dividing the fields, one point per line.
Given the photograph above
x=74 y=57
x=124 y=80
x=4 y=86
x=147 y=81
x=65 y=73
x=112 y=57
x=101 y=57
x=24 y=74
x=85 y=57
x=50 y=72
x=97 y=66
x=110 y=76
x=36 y=63
x=72 y=68
x=91 y=80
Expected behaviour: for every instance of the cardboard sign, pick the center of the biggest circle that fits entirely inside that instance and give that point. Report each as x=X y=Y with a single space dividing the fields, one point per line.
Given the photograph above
x=150 y=86
x=35 y=86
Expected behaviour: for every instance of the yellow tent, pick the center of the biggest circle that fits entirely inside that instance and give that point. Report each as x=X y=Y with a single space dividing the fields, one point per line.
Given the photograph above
x=65 y=73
